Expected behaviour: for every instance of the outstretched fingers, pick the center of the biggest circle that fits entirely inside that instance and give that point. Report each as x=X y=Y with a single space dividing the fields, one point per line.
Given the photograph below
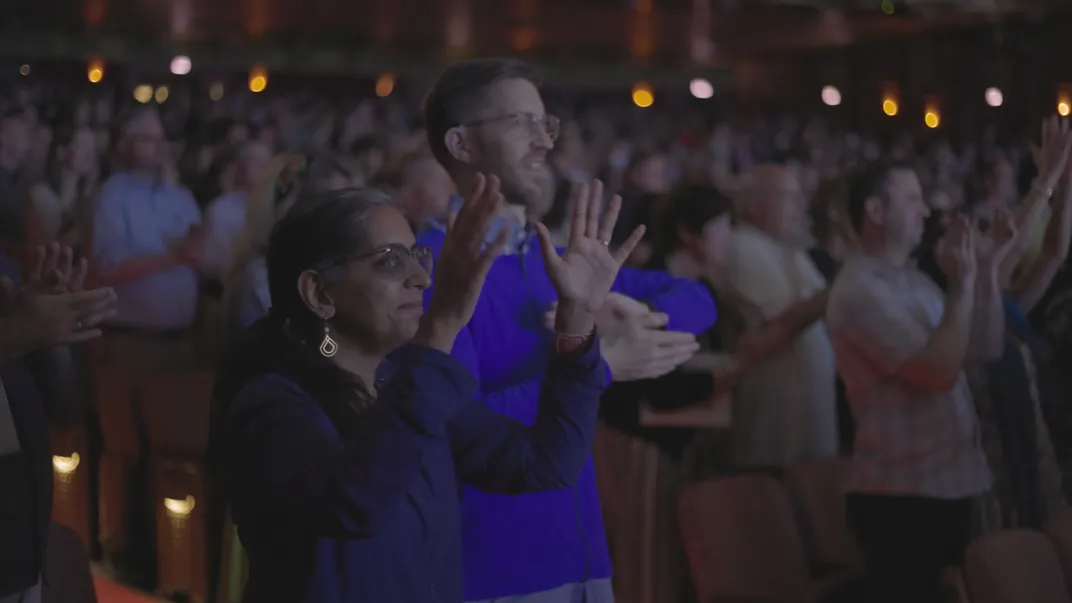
x=609 y=219
x=547 y=246
x=595 y=209
x=629 y=245
x=579 y=223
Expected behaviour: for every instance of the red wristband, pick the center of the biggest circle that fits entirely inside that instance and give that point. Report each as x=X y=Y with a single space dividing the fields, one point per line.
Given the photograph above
x=572 y=345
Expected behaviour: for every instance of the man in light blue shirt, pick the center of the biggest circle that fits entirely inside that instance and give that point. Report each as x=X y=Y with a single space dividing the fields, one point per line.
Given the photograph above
x=148 y=246
x=146 y=236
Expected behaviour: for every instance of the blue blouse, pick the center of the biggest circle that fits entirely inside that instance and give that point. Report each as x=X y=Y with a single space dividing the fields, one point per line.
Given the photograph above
x=377 y=518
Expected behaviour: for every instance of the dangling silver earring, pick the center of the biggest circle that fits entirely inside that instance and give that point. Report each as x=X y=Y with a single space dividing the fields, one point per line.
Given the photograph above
x=328 y=347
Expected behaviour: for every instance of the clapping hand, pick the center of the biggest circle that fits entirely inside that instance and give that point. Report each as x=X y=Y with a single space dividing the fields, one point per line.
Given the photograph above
x=993 y=246
x=51 y=308
x=1052 y=154
x=583 y=274
x=463 y=264
x=956 y=252
x=616 y=308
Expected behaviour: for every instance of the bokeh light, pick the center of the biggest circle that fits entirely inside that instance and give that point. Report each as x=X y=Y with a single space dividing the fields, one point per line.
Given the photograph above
x=701 y=88
x=642 y=95
x=385 y=85
x=181 y=65
x=831 y=96
x=143 y=93
x=994 y=97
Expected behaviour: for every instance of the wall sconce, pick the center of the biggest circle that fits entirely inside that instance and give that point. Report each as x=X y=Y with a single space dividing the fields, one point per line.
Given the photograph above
x=64 y=466
x=179 y=508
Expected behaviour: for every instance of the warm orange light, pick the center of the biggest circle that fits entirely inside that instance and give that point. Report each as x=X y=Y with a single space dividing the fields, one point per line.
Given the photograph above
x=258 y=79
x=385 y=85
x=889 y=107
x=1064 y=108
x=642 y=95
x=523 y=38
x=932 y=119
x=96 y=70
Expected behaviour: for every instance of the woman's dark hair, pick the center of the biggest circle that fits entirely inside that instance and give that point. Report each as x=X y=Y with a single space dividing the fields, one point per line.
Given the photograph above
x=832 y=196
x=690 y=208
x=322 y=233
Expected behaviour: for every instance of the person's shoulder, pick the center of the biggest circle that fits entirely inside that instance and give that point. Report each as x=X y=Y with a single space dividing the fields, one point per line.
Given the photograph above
x=116 y=182
x=268 y=389
x=860 y=288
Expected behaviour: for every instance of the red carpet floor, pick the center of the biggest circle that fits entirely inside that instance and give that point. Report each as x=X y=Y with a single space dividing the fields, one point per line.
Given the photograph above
x=113 y=592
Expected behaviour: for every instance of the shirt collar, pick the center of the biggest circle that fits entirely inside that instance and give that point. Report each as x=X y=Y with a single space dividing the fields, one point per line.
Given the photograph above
x=519 y=234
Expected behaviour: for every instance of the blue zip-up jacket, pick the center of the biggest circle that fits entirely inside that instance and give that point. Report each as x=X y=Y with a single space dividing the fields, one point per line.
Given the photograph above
x=375 y=518
x=515 y=545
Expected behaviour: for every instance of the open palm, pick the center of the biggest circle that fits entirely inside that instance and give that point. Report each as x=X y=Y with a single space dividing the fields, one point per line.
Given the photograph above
x=585 y=271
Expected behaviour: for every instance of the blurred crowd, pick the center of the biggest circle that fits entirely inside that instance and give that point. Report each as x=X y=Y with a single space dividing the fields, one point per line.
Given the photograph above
x=173 y=203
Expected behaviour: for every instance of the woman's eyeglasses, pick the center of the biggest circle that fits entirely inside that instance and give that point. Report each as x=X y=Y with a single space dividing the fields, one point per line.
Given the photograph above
x=393 y=261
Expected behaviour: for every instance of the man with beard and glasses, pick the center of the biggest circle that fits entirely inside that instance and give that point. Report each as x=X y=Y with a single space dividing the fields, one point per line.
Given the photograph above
x=487 y=116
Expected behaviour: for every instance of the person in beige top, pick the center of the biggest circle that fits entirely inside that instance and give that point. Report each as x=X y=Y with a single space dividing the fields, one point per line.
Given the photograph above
x=784 y=408
x=58 y=206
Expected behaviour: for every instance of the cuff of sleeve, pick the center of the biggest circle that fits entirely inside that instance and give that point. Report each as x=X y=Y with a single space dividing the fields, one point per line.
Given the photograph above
x=588 y=368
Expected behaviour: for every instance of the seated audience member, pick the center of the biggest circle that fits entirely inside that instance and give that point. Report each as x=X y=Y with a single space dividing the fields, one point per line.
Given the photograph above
x=783 y=352
x=344 y=469
x=39 y=319
x=290 y=176
x=901 y=350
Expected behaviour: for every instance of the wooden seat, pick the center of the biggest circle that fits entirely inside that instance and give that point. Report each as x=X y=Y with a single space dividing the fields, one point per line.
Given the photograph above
x=1014 y=566
x=744 y=543
x=1058 y=528
x=175 y=409
x=818 y=491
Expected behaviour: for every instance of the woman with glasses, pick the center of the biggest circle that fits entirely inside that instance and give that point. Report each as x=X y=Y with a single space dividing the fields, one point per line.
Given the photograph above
x=345 y=426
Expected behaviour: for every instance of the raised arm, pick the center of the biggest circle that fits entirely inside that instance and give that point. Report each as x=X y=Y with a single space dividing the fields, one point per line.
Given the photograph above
x=1050 y=158
x=688 y=304
x=499 y=454
x=1030 y=288
x=287 y=454
x=869 y=324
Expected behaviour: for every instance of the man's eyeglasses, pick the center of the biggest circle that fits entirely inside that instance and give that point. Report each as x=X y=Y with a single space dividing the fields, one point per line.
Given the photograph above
x=531 y=123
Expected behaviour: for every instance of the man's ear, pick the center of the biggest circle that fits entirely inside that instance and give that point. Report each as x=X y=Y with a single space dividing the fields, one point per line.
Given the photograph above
x=873 y=209
x=311 y=290
x=457 y=144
